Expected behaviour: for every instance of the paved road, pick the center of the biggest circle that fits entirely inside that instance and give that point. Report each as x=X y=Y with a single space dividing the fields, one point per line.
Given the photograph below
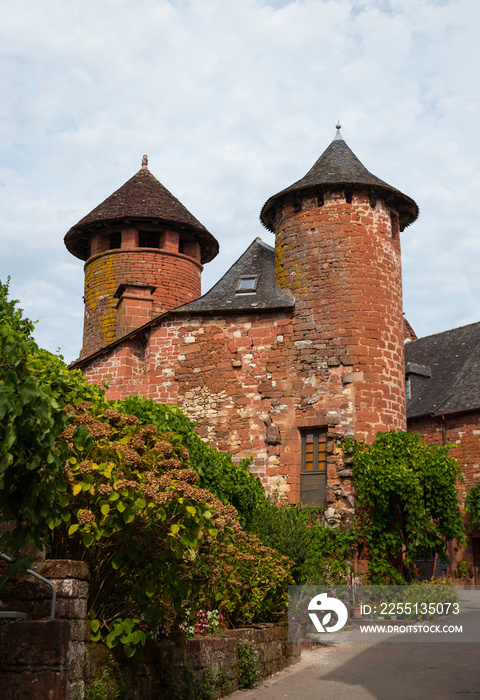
x=403 y=671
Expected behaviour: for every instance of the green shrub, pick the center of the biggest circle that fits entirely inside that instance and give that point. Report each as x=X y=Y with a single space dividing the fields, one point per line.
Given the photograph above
x=287 y=528
x=223 y=681
x=110 y=686
x=247 y=581
x=134 y=513
x=319 y=553
x=31 y=464
x=420 y=599
x=34 y=386
x=172 y=683
x=205 y=688
x=153 y=539
x=406 y=501
x=229 y=482
x=329 y=558
x=247 y=665
x=472 y=507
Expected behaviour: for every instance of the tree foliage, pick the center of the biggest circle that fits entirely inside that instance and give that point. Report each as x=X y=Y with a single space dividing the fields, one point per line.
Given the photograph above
x=34 y=386
x=406 y=500
x=472 y=507
x=10 y=313
x=31 y=462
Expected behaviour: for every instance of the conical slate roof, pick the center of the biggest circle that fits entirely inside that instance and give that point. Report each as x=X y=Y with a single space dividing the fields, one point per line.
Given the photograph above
x=338 y=165
x=142 y=198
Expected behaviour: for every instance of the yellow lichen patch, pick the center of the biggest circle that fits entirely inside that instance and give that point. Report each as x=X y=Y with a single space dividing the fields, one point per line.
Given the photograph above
x=100 y=285
x=280 y=271
x=301 y=280
x=108 y=325
x=100 y=280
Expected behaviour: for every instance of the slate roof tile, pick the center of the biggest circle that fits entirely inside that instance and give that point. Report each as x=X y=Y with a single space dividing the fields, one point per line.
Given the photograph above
x=454 y=360
x=142 y=197
x=338 y=165
x=258 y=259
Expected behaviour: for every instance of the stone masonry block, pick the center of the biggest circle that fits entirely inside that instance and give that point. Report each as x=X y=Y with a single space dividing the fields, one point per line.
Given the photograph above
x=352 y=377
x=34 y=643
x=63 y=568
x=71 y=608
x=42 y=685
x=71 y=588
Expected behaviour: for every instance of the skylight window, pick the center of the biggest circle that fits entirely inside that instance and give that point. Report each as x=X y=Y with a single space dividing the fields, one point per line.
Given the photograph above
x=247 y=285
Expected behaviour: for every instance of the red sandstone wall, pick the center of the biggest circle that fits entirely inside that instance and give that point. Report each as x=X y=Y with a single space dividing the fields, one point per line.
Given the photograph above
x=343 y=265
x=176 y=277
x=237 y=376
x=336 y=362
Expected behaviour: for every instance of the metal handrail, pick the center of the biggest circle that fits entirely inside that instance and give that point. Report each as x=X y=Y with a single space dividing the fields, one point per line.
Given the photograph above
x=41 y=578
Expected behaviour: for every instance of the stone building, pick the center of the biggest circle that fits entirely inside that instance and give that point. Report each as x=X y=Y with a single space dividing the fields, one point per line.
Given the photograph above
x=294 y=348
x=443 y=405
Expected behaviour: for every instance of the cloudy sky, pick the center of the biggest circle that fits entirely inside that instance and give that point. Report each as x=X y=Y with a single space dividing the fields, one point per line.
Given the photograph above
x=233 y=101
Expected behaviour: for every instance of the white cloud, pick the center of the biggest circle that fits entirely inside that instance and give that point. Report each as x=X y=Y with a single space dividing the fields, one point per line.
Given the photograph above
x=232 y=102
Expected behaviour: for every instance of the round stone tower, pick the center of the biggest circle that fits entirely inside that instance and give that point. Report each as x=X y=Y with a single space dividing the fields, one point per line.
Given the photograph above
x=144 y=254
x=337 y=249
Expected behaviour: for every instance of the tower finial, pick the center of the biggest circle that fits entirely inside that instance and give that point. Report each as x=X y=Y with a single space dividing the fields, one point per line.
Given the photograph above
x=338 y=135
x=145 y=163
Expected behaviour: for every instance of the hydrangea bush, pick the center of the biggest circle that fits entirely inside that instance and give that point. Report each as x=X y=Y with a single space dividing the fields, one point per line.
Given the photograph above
x=156 y=543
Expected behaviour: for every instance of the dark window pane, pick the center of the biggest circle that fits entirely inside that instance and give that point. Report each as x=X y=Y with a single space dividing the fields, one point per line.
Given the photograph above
x=148 y=239
x=313 y=476
x=115 y=240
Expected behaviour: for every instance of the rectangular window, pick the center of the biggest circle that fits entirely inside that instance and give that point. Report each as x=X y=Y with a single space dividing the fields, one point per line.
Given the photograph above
x=148 y=239
x=115 y=241
x=313 y=473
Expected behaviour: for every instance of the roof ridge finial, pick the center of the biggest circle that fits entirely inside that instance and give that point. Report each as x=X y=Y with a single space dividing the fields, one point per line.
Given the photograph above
x=145 y=163
x=338 y=135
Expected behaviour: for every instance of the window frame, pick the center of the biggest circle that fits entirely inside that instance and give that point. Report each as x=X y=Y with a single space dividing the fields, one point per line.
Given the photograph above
x=248 y=290
x=313 y=480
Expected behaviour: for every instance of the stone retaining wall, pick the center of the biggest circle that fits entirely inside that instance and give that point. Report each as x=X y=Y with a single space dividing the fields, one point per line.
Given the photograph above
x=166 y=666
x=44 y=659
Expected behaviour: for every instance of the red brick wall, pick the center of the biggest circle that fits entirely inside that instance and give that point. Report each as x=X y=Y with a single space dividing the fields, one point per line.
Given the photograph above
x=238 y=376
x=176 y=277
x=342 y=263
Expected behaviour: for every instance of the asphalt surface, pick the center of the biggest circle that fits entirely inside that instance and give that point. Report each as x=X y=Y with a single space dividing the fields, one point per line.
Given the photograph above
x=381 y=671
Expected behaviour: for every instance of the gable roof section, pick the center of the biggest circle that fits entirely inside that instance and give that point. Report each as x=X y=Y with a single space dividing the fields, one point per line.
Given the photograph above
x=142 y=197
x=454 y=360
x=258 y=260
x=338 y=165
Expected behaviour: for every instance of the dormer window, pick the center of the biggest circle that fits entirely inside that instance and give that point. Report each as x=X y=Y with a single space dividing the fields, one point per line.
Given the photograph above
x=247 y=285
x=416 y=377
